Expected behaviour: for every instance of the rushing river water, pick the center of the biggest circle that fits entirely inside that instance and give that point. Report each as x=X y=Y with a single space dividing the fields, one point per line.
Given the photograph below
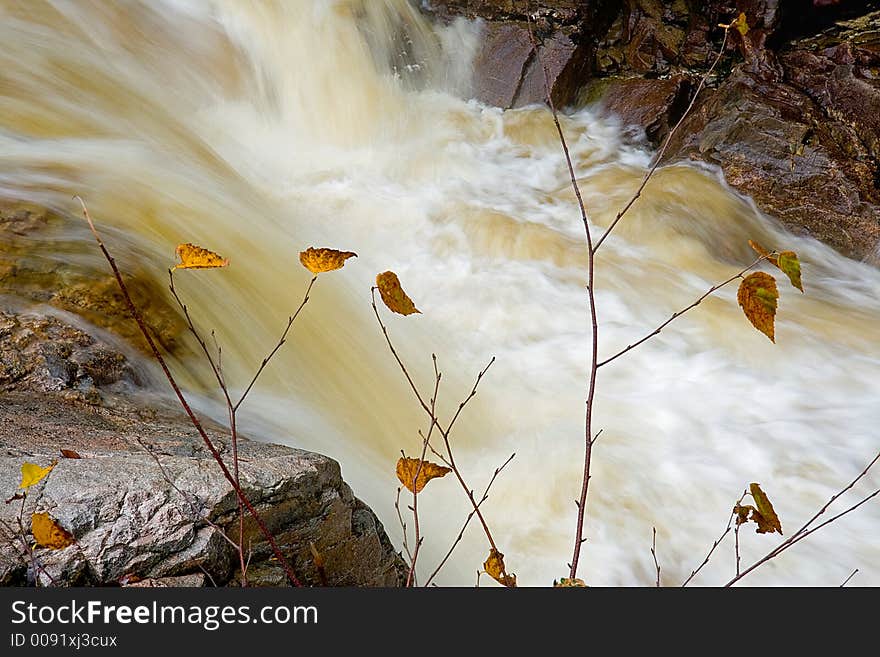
x=258 y=129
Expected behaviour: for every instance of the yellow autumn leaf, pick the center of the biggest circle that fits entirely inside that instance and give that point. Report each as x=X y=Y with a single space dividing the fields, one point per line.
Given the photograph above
x=788 y=262
x=393 y=295
x=741 y=24
x=765 y=511
x=31 y=474
x=195 y=257
x=761 y=251
x=48 y=533
x=408 y=470
x=758 y=296
x=494 y=567
x=321 y=260
x=566 y=582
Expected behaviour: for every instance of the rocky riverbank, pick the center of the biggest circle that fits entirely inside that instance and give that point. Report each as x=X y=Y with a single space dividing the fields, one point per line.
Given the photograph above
x=789 y=115
x=146 y=502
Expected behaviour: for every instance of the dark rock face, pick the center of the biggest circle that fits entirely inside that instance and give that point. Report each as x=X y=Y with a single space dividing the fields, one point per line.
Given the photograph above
x=804 y=143
x=791 y=117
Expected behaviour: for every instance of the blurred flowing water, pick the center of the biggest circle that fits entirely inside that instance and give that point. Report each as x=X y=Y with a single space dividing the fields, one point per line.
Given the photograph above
x=258 y=129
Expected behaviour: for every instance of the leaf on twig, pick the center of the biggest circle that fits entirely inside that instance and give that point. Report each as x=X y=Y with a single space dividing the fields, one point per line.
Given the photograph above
x=48 y=533
x=393 y=295
x=758 y=295
x=788 y=262
x=31 y=474
x=318 y=261
x=742 y=513
x=70 y=454
x=741 y=24
x=494 y=567
x=761 y=251
x=407 y=469
x=566 y=582
x=768 y=521
x=195 y=257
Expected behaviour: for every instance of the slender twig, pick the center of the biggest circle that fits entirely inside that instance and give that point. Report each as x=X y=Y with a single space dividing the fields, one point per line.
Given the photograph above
x=594 y=343
x=444 y=432
x=654 y=554
x=659 y=156
x=851 y=575
x=184 y=404
x=736 y=546
x=411 y=578
x=468 y=520
x=402 y=526
x=280 y=344
x=681 y=312
x=805 y=529
x=716 y=543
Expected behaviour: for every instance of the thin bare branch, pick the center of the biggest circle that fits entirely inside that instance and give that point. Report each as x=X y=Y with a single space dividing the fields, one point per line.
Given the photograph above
x=659 y=156
x=654 y=554
x=851 y=575
x=717 y=542
x=681 y=312
x=183 y=402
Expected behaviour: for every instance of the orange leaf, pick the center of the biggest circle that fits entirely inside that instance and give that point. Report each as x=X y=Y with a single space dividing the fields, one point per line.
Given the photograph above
x=408 y=470
x=765 y=512
x=48 y=533
x=757 y=295
x=761 y=251
x=195 y=257
x=494 y=567
x=321 y=260
x=70 y=454
x=393 y=295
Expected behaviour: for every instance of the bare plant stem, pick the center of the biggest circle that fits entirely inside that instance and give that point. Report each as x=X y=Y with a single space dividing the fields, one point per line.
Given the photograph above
x=444 y=432
x=736 y=546
x=681 y=312
x=185 y=405
x=659 y=156
x=654 y=554
x=716 y=543
x=851 y=575
x=426 y=439
x=468 y=520
x=402 y=526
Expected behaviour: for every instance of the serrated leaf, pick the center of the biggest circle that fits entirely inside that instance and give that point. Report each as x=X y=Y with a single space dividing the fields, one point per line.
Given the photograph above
x=494 y=567
x=70 y=454
x=788 y=262
x=566 y=582
x=318 y=261
x=767 y=521
x=741 y=24
x=31 y=474
x=758 y=297
x=761 y=251
x=196 y=257
x=48 y=533
x=393 y=295
x=408 y=470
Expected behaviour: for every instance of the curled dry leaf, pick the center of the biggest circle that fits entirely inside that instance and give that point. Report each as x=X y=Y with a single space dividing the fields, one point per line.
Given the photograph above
x=761 y=251
x=566 y=582
x=758 y=295
x=742 y=513
x=31 y=474
x=48 y=533
x=768 y=522
x=195 y=257
x=70 y=454
x=494 y=567
x=320 y=260
x=407 y=469
x=393 y=295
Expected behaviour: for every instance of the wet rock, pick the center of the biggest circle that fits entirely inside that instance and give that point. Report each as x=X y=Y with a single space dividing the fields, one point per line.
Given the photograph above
x=52 y=259
x=652 y=106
